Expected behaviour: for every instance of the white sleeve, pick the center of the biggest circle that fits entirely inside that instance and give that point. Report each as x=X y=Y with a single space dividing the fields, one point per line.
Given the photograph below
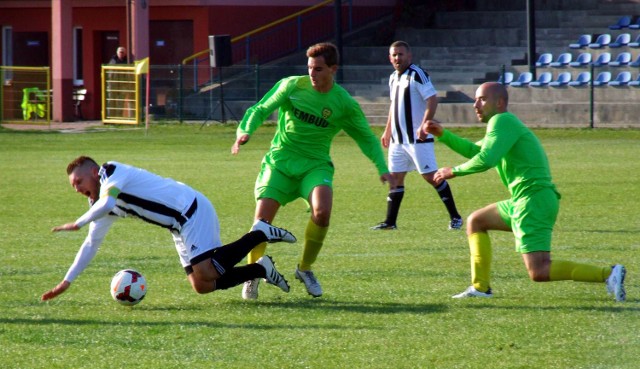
x=97 y=231
x=101 y=208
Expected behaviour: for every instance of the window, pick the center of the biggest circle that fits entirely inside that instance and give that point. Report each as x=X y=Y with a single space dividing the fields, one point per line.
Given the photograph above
x=7 y=51
x=78 y=78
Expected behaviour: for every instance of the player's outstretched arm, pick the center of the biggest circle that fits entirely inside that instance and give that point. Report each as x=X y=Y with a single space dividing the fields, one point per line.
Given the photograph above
x=57 y=290
x=241 y=140
x=65 y=227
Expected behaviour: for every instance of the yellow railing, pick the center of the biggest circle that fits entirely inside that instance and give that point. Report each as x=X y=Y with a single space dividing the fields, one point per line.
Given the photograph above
x=120 y=94
x=261 y=29
x=25 y=95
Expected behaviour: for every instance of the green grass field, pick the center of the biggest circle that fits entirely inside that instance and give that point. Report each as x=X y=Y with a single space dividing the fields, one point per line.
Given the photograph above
x=387 y=294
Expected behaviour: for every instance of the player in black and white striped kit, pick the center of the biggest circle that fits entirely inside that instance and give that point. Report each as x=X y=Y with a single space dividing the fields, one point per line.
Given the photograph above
x=117 y=190
x=413 y=102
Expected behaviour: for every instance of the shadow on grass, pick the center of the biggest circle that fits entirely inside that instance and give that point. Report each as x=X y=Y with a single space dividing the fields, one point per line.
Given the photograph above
x=354 y=307
x=322 y=305
x=618 y=308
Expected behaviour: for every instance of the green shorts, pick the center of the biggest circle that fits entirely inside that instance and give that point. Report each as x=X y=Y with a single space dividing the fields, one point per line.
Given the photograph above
x=285 y=177
x=531 y=219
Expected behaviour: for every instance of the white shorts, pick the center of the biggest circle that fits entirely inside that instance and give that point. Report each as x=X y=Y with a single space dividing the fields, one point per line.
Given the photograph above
x=410 y=157
x=201 y=233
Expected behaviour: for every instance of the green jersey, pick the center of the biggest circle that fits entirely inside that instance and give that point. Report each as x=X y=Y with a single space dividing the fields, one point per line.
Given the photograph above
x=309 y=120
x=510 y=147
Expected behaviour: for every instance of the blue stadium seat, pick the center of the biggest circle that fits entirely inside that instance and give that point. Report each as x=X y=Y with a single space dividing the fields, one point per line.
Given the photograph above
x=562 y=79
x=563 y=60
x=544 y=60
x=635 y=82
x=623 y=59
x=582 y=79
x=636 y=42
x=602 y=59
x=602 y=79
x=622 y=79
x=523 y=80
x=543 y=80
x=583 y=41
x=582 y=60
x=622 y=40
x=635 y=24
x=623 y=22
x=508 y=78
x=635 y=63
x=602 y=41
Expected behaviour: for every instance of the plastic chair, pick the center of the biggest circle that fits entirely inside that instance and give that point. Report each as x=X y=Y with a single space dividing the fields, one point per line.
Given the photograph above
x=33 y=101
x=583 y=41
x=623 y=22
x=581 y=61
x=562 y=79
x=602 y=79
x=635 y=82
x=635 y=24
x=543 y=80
x=523 y=80
x=622 y=59
x=78 y=97
x=635 y=63
x=622 y=79
x=563 y=60
x=602 y=41
x=582 y=79
x=636 y=42
x=544 y=60
x=623 y=39
x=508 y=78
x=603 y=59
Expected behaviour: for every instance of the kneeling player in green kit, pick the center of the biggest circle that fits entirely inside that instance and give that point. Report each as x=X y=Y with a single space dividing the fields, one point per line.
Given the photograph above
x=530 y=213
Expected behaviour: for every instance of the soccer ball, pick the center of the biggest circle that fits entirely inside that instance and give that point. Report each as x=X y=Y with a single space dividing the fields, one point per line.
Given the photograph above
x=128 y=287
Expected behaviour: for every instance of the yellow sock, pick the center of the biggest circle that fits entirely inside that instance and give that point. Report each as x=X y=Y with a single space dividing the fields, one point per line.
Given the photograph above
x=313 y=239
x=480 y=252
x=562 y=270
x=256 y=253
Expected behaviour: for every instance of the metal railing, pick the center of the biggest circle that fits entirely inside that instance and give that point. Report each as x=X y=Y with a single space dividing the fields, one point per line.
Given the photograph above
x=120 y=95
x=25 y=95
x=287 y=35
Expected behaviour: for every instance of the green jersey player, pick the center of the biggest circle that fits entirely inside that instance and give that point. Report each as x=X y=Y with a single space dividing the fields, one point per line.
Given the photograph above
x=530 y=213
x=311 y=111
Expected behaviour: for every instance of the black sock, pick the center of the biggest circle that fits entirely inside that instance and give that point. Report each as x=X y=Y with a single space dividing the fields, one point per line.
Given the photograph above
x=239 y=275
x=230 y=254
x=394 y=199
x=444 y=191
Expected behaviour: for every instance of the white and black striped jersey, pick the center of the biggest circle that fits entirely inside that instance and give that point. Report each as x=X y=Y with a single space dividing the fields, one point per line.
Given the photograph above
x=161 y=201
x=139 y=193
x=409 y=92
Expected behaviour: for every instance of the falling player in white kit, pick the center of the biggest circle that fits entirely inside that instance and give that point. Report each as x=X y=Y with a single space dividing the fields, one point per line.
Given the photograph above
x=119 y=190
x=413 y=101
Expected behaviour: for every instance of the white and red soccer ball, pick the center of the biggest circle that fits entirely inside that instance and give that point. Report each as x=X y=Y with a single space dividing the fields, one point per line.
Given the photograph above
x=128 y=287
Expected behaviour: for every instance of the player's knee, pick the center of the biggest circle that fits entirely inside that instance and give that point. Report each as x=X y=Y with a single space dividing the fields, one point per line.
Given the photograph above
x=322 y=216
x=474 y=224
x=538 y=275
x=202 y=287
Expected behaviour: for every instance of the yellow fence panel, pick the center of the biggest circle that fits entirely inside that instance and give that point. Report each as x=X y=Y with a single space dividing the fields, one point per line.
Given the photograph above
x=120 y=95
x=25 y=95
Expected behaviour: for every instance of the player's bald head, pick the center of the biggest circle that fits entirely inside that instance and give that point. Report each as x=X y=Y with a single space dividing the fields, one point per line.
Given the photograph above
x=495 y=90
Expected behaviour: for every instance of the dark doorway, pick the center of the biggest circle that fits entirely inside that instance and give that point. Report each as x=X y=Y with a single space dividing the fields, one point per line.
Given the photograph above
x=170 y=41
x=31 y=49
x=110 y=42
